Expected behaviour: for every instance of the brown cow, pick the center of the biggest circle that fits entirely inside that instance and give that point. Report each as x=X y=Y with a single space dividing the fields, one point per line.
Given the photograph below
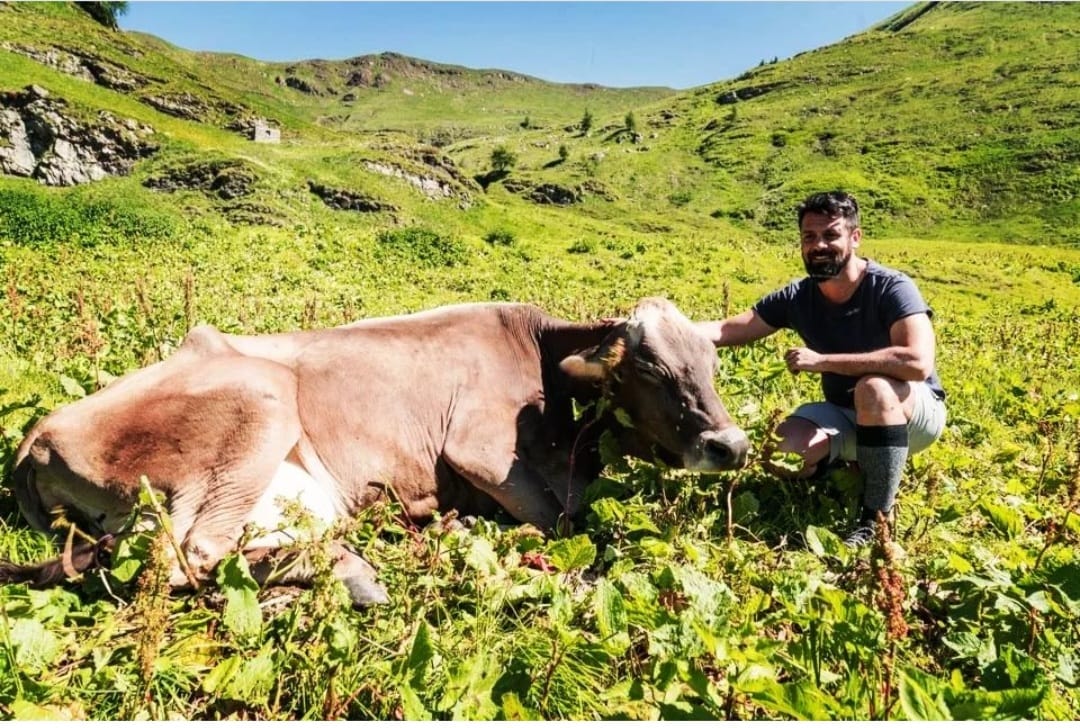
x=464 y=407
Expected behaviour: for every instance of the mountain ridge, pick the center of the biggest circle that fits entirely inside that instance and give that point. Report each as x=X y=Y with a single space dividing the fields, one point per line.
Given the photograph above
x=945 y=119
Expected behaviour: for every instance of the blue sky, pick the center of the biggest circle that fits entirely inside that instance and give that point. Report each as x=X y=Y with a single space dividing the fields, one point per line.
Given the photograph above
x=675 y=44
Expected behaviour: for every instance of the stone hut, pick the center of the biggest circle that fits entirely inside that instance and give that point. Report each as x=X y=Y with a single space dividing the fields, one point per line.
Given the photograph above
x=265 y=134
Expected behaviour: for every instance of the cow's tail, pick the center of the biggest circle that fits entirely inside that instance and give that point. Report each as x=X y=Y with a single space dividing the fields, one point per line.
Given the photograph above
x=74 y=561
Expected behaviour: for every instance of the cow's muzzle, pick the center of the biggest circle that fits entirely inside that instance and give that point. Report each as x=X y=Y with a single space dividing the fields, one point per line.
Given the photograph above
x=719 y=450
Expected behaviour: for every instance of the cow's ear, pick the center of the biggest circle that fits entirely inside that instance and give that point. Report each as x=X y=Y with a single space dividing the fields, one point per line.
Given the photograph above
x=599 y=363
x=579 y=367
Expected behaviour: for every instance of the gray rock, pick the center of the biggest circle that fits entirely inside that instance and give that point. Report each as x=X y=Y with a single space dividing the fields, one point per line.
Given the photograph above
x=40 y=139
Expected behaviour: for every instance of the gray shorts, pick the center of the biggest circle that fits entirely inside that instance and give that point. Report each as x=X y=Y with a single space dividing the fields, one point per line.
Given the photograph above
x=926 y=425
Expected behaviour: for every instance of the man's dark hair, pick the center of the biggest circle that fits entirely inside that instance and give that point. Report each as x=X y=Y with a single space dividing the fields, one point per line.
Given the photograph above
x=832 y=204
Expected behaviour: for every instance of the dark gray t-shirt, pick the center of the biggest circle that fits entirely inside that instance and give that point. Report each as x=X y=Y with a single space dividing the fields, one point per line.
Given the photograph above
x=859 y=324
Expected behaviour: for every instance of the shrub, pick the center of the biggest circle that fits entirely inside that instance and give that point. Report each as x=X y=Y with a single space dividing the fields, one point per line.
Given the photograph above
x=105 y=13
x=423 y=246
x=581 y=246
x=586 y=122
x=500 y=236
x=502 y=159
x=34 y=217
x=680 y=198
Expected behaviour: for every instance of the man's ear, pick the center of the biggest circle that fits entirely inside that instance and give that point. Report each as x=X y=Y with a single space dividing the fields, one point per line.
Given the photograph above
x=856 y=237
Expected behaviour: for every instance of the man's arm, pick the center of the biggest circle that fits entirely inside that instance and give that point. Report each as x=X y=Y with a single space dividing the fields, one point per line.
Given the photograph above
x=741 y=329
x=910 y=356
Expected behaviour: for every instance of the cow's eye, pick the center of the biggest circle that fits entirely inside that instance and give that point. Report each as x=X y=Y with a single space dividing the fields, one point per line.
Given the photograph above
x=650 y=372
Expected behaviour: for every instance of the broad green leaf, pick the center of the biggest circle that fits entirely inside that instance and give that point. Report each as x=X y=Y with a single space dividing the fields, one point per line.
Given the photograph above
x=24 y=710
x=823 y=542
x=242 y=615
x=468 y=692
x=959 y=564
x=71 y=387
x=130 y=555
x=420 y=655
x=340 y=638
x=255 y=678
x=608 y=511
x=481 y=556
x=221 y=675
x=1066 y=669
x=638 y=520
x=412 y=707
x=572 y=553
x=1039 y=601
x=1005 y=519
x=744 y=505
x=964 y=644
x=512 y=709
x=921 y=696
x=1016 y=703
x=34 y=645
x=801 y=700
x=656 y=547
x=247 y=680
x=611 y=618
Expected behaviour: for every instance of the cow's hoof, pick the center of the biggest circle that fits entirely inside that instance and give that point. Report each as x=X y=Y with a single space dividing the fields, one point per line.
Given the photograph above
x=365 y=591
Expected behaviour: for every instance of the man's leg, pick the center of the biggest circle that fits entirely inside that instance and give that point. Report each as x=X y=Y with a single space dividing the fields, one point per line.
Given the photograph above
x=883 y=407
x=819 y=432
x=801 y=437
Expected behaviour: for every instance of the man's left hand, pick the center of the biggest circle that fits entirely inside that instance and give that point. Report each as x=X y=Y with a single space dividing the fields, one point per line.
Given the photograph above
x=801 y=359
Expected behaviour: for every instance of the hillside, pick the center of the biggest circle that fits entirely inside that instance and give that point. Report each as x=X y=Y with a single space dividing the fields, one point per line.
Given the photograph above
x=984 y=151
x=948 y=119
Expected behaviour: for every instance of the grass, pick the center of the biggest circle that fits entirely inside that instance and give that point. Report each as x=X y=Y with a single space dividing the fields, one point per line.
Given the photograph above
x=684 y=596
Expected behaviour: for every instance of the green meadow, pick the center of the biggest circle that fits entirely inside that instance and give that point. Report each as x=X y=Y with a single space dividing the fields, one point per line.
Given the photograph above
x=683 y=595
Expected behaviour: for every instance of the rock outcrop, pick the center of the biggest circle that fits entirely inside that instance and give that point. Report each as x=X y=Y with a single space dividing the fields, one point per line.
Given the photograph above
x=41 y=138
x=181 y=105
x=227 y=179
x=431 y=172
x=89 y=68
x=340 y=199
x=545 y=193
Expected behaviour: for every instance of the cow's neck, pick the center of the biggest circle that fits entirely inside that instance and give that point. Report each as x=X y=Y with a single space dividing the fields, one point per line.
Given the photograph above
x=560 y=339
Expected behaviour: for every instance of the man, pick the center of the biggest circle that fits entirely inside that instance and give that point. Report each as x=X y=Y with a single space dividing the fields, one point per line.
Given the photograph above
x=867 y=331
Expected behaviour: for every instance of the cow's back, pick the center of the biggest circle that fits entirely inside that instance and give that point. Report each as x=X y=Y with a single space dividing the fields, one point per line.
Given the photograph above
x=378 y=399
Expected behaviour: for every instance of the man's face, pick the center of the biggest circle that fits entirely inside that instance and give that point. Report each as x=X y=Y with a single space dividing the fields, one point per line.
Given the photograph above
x=827 y=244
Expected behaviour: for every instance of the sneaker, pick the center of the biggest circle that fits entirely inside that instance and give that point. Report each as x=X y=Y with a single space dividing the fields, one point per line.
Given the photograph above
x=863 y=534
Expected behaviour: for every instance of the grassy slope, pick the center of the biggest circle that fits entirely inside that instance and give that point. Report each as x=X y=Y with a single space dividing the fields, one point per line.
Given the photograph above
x=985 y=149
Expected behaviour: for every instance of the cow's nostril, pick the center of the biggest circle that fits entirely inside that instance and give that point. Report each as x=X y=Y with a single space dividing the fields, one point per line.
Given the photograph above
x=719 y=452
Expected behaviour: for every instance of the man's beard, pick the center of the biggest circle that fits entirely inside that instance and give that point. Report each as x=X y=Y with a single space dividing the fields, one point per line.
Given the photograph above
x=824 y=267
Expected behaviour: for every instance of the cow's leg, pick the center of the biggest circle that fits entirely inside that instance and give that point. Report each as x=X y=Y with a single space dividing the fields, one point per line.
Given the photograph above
x=260 y=427
x=520 y=489
x=287 y=566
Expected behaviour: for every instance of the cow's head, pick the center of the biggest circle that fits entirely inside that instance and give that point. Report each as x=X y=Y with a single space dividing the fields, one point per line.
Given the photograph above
x=659 y=368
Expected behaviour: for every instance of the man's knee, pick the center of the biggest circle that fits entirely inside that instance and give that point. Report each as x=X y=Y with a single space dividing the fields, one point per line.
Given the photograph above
x=795 y=449
x=875 y=394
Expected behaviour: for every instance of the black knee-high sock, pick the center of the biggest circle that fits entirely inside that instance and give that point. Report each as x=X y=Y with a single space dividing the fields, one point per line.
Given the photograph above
x=882 y=451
